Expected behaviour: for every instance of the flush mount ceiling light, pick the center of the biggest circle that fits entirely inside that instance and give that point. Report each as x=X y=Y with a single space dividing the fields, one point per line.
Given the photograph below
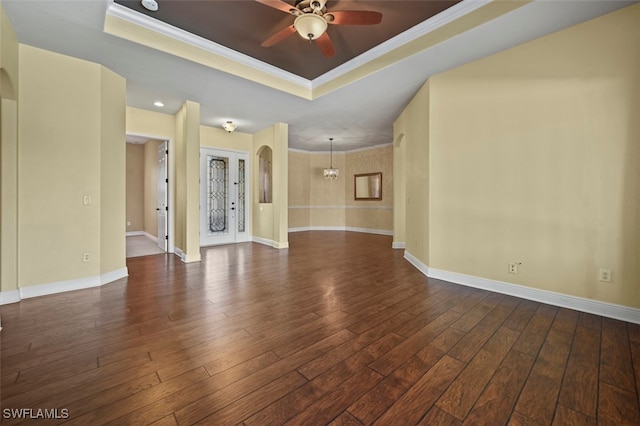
x=151 y=5
x=331 y=173
x=158 y=104
x=229 y=126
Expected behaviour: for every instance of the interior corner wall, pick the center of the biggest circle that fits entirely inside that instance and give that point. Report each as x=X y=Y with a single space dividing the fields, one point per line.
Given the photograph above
x=71 y=119
x=318 y=203
x=112 y=163
x=59 y=164
x=263 y=218
x=327 y=197
x=534 y=158
x=9 y=85
x=280 y=171
x=399 y=182
x=150 y=186
x=299 y=194
x=371 y=215
x=135 y=187
x=414 y=125
x=187 y=224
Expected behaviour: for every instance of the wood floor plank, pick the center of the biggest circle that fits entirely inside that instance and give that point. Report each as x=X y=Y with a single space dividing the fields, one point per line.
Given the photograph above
x=497 y=400
x=436 y=416
x=460 y=397
x=298 y=400
x=415 y=343
x=114 y=410
x=413 y=404
x=345 y=419
x=566 y=416
x=539 y=395
x=617 y=406
x=248 y=404
x=376 y=401
x=331 y=405
x=616 y=366
x=338 y=329
x=579 y=390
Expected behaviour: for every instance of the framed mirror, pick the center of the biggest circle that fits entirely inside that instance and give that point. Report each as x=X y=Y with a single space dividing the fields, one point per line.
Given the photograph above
x=368 y=186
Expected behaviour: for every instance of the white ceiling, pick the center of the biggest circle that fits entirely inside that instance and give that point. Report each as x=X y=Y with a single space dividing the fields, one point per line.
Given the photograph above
x=358 y=115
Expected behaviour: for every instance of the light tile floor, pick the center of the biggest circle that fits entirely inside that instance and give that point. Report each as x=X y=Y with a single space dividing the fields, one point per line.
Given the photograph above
x=139 y=245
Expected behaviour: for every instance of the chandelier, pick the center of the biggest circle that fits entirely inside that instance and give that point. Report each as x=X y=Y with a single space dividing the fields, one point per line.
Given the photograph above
x=331 y=173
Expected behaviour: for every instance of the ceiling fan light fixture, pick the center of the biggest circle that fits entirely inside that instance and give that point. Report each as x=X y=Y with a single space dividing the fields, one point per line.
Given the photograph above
x=310 y=26
x=229 y=126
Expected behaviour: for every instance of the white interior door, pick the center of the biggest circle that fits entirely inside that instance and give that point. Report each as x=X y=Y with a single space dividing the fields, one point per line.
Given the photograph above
x=224 y=197
x=162 y=196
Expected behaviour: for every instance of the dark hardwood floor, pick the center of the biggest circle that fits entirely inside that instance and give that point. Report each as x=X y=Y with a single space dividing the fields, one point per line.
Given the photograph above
x=338 y=329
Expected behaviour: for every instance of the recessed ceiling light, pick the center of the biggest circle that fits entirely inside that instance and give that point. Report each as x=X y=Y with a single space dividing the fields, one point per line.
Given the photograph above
x=151 y=5
x=158 y=104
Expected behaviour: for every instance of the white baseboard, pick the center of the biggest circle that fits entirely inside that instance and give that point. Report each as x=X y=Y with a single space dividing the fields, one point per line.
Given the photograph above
x=609 y=310
x=398 y=245
x=178 y=252
x=270 y=243
x=264 y=241
x=134 y=233
x=62 y=286
x=341 y=228
x=151 y=237
x=11 y=296
x=112 y=276
x=418 y=264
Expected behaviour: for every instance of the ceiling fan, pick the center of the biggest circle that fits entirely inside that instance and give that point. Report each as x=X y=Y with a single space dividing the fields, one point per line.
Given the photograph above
x=312 y=19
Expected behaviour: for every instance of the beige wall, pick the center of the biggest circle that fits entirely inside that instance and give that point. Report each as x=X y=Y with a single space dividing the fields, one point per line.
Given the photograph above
x=161 y=127
x=62 y=143
x=150 y=179
x=270 y=220
x=317 y=202
x=211 y=137
x=187 y=160
x=399 y=182
x=415 y=125
x=135 y=187
x=9 y=85
x=112 y=163
x=534 y=156
x=369 y=214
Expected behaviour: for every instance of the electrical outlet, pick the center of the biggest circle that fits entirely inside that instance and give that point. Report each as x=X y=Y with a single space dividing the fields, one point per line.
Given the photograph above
x=86 y=200
x=605 y=275
x=128 y=223
x=86 y=257
x=513 y=268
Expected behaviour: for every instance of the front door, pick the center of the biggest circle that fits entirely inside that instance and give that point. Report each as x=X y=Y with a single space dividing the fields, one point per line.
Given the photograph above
x=162 y=196
x=224 y=190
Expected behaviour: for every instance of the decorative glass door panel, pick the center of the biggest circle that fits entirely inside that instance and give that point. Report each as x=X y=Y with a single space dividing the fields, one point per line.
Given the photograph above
x=223 y=205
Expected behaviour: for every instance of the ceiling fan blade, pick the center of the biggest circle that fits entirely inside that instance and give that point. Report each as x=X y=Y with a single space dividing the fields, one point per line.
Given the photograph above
x=355 y=17
x=326 y=46
x=280 y=5
x=279 y=36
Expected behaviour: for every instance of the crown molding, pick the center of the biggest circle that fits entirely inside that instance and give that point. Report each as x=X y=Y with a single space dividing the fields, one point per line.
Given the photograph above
x=350 y=151
x=137 y=18
x=443 y=18
x=447 y=16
